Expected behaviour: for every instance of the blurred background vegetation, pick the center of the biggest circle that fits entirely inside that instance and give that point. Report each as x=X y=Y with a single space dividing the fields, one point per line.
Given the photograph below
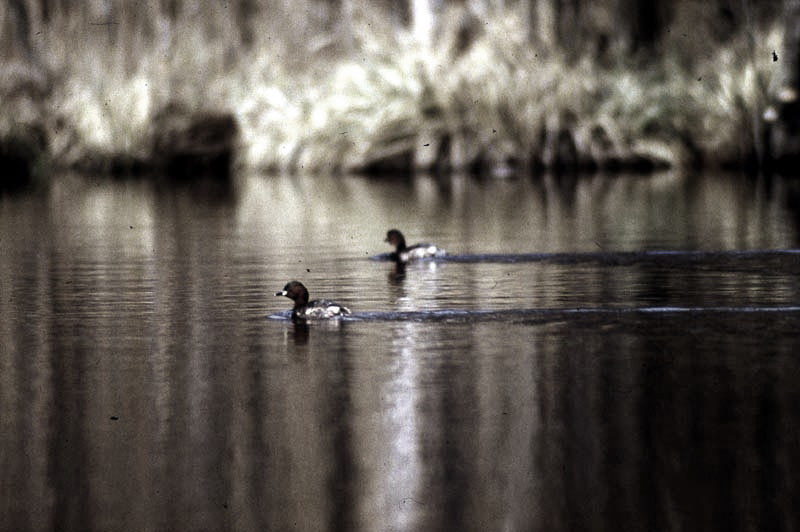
x=307 y=85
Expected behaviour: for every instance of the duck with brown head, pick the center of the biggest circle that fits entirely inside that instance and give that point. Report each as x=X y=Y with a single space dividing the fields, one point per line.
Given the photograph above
x=418 y=251
x=310 y=310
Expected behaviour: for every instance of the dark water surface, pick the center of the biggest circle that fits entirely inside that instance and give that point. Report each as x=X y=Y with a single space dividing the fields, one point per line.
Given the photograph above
x=616 y=353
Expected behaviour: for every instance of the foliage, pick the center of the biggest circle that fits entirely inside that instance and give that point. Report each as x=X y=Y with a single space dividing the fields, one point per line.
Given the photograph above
x=311 y=95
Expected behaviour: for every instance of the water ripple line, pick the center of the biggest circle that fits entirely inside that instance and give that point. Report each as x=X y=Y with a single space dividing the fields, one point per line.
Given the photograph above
x=435 y=315
x=610 y=257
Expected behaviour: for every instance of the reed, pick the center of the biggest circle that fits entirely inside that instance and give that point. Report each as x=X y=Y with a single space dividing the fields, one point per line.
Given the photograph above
x=311 y=97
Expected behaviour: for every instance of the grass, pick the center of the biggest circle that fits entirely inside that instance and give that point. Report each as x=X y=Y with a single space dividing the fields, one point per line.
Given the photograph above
x=306 y=104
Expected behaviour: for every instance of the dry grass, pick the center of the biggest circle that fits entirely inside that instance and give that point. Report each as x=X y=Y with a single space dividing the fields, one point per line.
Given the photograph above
x=302 y=103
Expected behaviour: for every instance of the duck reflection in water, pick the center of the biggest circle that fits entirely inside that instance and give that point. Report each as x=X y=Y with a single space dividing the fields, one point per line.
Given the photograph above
x=398 y=273
x=300 y=332
x=304 y=309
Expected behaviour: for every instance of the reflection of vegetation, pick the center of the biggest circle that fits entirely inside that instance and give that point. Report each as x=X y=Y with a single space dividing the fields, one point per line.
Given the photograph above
x=361 y=93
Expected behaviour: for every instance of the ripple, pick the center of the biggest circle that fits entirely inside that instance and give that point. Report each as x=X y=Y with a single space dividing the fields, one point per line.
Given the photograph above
x=460 y=315
x=613 y=258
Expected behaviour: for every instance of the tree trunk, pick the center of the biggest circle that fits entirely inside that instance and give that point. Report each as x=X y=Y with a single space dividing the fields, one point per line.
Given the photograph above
x=20 y=28
x=643 y=23
x=422 y=22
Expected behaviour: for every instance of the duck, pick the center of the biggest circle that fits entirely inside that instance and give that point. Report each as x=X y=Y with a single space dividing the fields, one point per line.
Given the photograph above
x=405 y=253
x=310 y=310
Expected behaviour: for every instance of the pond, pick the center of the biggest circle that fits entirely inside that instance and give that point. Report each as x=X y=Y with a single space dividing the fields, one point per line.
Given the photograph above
x=607 y=351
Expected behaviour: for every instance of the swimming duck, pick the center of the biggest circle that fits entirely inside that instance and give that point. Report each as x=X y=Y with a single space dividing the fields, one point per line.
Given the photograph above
x=405 y=253
x=317 y=309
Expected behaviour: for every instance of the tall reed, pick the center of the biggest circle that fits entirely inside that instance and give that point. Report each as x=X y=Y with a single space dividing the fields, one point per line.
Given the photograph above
x=314 y=95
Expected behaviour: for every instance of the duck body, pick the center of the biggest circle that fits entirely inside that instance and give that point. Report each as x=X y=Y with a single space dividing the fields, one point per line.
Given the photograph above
x=418 y=251
x=319 y=309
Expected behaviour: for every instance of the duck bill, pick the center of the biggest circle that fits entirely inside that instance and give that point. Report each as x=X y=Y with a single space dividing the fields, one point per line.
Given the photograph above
x=281 y=293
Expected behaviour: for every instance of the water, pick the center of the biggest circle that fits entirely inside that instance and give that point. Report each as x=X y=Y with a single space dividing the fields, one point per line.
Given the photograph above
x=613 y=352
